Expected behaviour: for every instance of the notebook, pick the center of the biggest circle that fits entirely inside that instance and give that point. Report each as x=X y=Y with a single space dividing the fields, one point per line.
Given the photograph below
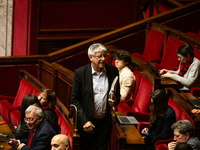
x=155 y=70
x=127 y=120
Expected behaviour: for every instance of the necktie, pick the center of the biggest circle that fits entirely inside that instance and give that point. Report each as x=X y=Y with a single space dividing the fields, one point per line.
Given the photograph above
x=29 y=142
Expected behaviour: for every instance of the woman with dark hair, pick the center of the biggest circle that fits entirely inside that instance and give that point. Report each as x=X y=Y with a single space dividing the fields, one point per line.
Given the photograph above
x=187 y=75
x=126 y=77
x=47 y=100
x=162 y=117
x=22 y=129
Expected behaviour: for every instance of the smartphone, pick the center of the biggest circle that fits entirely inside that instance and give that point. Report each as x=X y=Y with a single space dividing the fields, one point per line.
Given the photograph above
x=144 y=133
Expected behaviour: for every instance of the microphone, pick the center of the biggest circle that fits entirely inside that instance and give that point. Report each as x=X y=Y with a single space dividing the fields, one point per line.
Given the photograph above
x=70 y=116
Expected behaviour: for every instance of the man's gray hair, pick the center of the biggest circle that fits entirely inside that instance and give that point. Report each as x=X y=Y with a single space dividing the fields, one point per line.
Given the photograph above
x=95 y=48
x=35 y=109
x=183 y=126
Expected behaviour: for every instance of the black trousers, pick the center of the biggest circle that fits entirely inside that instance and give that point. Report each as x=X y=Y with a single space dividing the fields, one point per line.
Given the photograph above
x=99 y=139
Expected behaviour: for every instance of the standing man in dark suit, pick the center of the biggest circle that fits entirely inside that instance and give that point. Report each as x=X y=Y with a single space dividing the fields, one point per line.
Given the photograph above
x=90 y=90
x=40 y=134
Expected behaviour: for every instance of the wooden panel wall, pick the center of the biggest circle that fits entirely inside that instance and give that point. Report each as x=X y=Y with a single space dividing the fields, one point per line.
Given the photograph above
x=61 y=23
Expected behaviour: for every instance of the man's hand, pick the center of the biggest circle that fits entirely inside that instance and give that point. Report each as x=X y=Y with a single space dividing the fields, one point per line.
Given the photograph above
x=195 y=111
x=20 y=146
x=111 y=102
x=13 y=143
x=172 y=145
x=88 y=127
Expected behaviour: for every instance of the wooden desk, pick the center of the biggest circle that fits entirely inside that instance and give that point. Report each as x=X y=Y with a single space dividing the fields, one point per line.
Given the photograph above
x=144 y=69
x=4 y=128
x=125 y=137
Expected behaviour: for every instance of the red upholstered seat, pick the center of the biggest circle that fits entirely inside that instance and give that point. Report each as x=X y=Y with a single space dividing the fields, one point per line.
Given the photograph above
x=6 y=107
x=154 y=47
x=163 y=8
x=163 y=146
x=15 y=117
x=140 y=108
x=194 y=35
x=64 y=126
x=129 y=102
x=170 y=60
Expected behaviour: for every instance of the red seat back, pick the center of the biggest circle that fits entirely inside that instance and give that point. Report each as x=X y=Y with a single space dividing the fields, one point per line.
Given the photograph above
x=154 y=45
x=170 y=59
x=137 y=83
x=24 y=89
x=142 y=99
x=64 y=126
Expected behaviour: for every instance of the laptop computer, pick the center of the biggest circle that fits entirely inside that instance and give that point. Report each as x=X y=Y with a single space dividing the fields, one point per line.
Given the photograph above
x=127 y=120
x=155 y=70
x=195 y=102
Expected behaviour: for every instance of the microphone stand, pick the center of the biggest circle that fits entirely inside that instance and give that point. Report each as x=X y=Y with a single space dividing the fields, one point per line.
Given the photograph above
x=70 y=115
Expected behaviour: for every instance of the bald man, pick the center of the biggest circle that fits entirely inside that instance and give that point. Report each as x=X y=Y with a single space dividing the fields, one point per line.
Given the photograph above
x=60 y=142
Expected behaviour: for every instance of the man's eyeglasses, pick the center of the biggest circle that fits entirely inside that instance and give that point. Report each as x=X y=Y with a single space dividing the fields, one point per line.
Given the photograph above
x=179 y=56
x=30 y=119
x=101 y=56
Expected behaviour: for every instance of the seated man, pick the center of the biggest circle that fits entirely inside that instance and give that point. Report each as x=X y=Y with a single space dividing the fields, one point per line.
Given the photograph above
x=40 y=134
x=60 y=142
x=183 y=132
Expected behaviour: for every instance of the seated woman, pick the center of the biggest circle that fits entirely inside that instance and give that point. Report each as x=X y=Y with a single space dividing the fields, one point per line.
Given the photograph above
x=22 y=130
x=47 y=100
x=127 y=79
x=162 y=117
x=187 y=75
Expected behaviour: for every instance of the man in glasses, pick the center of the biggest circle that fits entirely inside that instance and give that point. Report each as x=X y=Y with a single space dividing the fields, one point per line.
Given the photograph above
x=40 y=134
x=91 y=85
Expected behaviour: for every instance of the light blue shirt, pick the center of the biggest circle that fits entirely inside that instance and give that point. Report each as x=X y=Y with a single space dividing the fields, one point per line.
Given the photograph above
x=100 y=89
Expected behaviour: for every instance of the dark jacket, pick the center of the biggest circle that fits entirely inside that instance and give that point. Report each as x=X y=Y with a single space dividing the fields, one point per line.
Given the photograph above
x=162 y=126
x=82 y=92
x=22 y=131
x=42 y=138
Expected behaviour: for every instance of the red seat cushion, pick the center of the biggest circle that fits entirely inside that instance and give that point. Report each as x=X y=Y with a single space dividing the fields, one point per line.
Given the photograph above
x=6 y=107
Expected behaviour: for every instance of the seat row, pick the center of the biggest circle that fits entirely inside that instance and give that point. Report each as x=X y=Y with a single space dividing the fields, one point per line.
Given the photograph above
x=10 y=106
x=162 y=43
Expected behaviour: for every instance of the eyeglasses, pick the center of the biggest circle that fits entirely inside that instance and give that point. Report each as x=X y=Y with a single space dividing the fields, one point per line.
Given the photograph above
x=179 y=56
x=101 y=56
x=30 y=119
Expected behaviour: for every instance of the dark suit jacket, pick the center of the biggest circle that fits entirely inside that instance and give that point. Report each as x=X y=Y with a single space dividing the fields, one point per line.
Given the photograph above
x=42 y=137
x=82 y=92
